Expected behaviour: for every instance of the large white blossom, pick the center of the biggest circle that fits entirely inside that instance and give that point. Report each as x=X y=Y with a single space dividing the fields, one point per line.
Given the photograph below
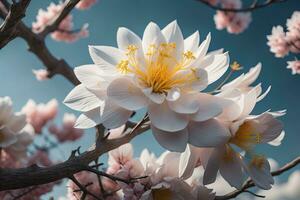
x=162 y=72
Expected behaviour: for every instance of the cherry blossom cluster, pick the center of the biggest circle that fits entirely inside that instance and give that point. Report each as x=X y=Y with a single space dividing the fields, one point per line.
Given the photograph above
x=166 y=75
x=283 y=42
x=233 y=22
x=65 y=30
x=18 y=132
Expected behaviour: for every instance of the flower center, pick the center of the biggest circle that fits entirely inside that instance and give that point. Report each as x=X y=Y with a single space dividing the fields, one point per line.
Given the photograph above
x=258 y=161
x=161 y=70
x=161 y=194
x=246 y=136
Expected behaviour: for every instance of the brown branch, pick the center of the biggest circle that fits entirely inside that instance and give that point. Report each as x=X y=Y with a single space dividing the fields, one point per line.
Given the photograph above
x=83 y=189
x=68 y=6
x=251 y=8
x=38 y=46
x=34 y=175
x=8 y=27
x=249 y=183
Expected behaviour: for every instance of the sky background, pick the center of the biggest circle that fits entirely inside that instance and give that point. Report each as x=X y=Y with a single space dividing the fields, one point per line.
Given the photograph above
x=248 y=48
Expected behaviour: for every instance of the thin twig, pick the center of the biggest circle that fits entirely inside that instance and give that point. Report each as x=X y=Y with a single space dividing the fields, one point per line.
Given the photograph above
x=83 y=189
x=249 y=183
x=252 y=7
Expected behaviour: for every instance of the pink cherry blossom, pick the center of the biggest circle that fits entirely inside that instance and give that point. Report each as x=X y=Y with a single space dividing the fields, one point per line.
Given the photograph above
x=66 y=132
x=65 y=31
x=85 y=4
x=38 y=115
x=41 y=74
x=233 y=22
x=91 y=181
x=278 y=42
x=41 y=158
x=294 y=66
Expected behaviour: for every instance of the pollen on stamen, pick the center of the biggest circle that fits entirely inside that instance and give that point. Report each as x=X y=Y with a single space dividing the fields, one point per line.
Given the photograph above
x=131 y=49
x=189 y=55
x=123 y=66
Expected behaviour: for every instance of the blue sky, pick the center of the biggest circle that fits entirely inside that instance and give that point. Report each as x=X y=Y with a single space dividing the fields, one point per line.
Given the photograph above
x=248 y=48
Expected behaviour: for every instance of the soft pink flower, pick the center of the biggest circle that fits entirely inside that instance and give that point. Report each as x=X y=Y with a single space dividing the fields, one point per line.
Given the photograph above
x=293 y=24
x=41 y=158
x=41 y=74
x=90 y=179
x=65 y=31
x=39 y=115
x=233 y=22
x=294 y=66
x=66 y=132
x=277 y=42
x=85 y=4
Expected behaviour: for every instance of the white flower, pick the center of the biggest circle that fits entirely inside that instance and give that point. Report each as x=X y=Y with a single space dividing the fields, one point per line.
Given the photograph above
x=162 y=72
x=10 y=123
x=247 y=131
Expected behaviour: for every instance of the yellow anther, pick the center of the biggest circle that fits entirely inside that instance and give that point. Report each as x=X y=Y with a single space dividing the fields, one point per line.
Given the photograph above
x=235 y=66
x=123 y=66
x=172 y=45
x=151 y=50
x=131 y=49
x=189 y=55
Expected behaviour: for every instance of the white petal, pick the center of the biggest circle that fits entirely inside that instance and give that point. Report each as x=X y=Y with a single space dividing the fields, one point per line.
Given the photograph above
x=232 y=171
x=211 y=168
x=82 y=100
x=112 y=115
x=17 y=122
x=277 y=141
x=124 y=93
x=209 y=133
x=261 y=97
x=250 y=100
x=188 y=161
x=7 y=137
x=173 y=94
x=106 y=55
x=162 y=117
x=88 y=119
x=155 y=97
x=187 y=103
x=172 y=141
x=202 y=50
x=92 y=76
x=192 y=42
x=218 y=67
x=126 y=37
x=209 y=107
x=215 y=52
x=252 y=75
x=173 y=34
x=152 y=36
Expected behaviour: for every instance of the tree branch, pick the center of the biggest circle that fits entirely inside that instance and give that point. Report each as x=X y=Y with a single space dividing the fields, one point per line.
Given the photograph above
x=249 y=183
x=251 y=8
x=68 y=6
x=13 y=17
x=34 y=175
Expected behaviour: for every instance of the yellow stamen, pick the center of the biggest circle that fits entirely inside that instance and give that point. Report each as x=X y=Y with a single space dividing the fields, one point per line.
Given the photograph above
x=123 y=66
x=246 y=136
x=162 y=71
x=235 y=66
